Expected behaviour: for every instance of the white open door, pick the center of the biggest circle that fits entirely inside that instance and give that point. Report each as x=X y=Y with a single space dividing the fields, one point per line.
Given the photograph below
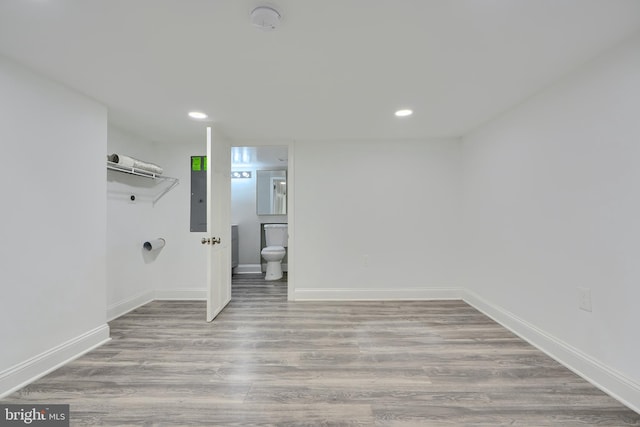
x=218 y=240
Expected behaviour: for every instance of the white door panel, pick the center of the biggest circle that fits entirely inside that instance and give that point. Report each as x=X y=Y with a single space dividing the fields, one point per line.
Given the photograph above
x=218 y=240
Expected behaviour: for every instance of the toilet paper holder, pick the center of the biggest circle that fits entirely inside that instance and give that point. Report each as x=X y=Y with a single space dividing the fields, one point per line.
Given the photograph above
x=154 y=245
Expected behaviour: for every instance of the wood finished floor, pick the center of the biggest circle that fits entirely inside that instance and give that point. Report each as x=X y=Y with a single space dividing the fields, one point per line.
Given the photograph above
x=266 y=361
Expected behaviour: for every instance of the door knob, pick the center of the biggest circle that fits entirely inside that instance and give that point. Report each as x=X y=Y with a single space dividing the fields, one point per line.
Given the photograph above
x=210 y=240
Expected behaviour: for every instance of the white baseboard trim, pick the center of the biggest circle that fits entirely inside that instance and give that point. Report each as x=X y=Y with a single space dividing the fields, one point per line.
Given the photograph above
x=248 y=269
x=180 y=294
x=18 y=376
x=600 y=375
x=125 y=306
x=376 y=294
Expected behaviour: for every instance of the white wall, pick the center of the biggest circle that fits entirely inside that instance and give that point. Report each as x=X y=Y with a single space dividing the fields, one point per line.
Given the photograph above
x=180 y=271
x=53 y=227
x=552 y=204
x=129 y=225
x=376 y=219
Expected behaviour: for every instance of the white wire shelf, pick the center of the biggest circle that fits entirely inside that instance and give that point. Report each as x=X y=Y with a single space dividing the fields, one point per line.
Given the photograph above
x=172 y=182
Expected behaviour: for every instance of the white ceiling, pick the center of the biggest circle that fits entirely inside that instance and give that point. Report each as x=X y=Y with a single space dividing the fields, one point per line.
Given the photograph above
x=334 y=69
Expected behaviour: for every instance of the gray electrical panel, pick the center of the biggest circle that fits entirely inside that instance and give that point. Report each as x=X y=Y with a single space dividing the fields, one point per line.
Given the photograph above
x=199 y=193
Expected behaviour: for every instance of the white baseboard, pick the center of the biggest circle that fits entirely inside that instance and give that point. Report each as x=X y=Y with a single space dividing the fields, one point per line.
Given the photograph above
x=125 y=306
x=600 y=375
x=180 y=294
x=376 y=294
x=24 y=373
x=248 y=269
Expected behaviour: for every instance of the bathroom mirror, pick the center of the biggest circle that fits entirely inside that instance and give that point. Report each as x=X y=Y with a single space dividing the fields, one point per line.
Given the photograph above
x=271 y=192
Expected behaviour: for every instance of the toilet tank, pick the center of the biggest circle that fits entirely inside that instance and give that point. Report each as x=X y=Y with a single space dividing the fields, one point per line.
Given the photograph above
x=276 y=234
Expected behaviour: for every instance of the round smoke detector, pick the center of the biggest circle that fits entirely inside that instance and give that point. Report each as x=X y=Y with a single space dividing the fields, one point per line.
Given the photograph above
x=265 y=18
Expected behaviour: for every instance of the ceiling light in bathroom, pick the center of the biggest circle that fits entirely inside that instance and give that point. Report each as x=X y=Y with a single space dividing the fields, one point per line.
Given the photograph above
x=241 y=174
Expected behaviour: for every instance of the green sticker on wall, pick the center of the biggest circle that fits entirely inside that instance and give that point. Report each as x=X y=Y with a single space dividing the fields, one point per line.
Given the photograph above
x=196 y=163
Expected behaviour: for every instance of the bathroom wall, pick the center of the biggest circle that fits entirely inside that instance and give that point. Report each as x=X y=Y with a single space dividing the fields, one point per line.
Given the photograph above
x=53 y=228
x=376 y=219
x=551 y=206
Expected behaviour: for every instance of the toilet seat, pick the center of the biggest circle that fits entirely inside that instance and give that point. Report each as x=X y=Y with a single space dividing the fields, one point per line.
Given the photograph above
x=273 y=250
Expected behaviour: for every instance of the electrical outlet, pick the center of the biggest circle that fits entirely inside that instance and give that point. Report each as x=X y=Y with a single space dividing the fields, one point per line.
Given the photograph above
x=585 y=299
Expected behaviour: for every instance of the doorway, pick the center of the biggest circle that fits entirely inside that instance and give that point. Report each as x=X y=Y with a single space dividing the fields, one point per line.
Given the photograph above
x=250 y=164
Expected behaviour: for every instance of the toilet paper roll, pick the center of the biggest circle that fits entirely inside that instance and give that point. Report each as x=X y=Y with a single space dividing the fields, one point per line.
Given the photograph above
x=154 y=245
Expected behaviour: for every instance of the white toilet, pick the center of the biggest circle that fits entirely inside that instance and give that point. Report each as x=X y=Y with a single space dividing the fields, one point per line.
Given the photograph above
x=276 y=236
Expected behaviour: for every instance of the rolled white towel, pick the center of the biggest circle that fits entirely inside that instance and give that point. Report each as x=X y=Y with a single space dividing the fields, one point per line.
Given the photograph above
x=130 y=162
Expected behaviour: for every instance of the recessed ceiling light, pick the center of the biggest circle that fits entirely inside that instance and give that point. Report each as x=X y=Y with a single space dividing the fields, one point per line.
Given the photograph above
x=197 y=115
x=404 y=113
